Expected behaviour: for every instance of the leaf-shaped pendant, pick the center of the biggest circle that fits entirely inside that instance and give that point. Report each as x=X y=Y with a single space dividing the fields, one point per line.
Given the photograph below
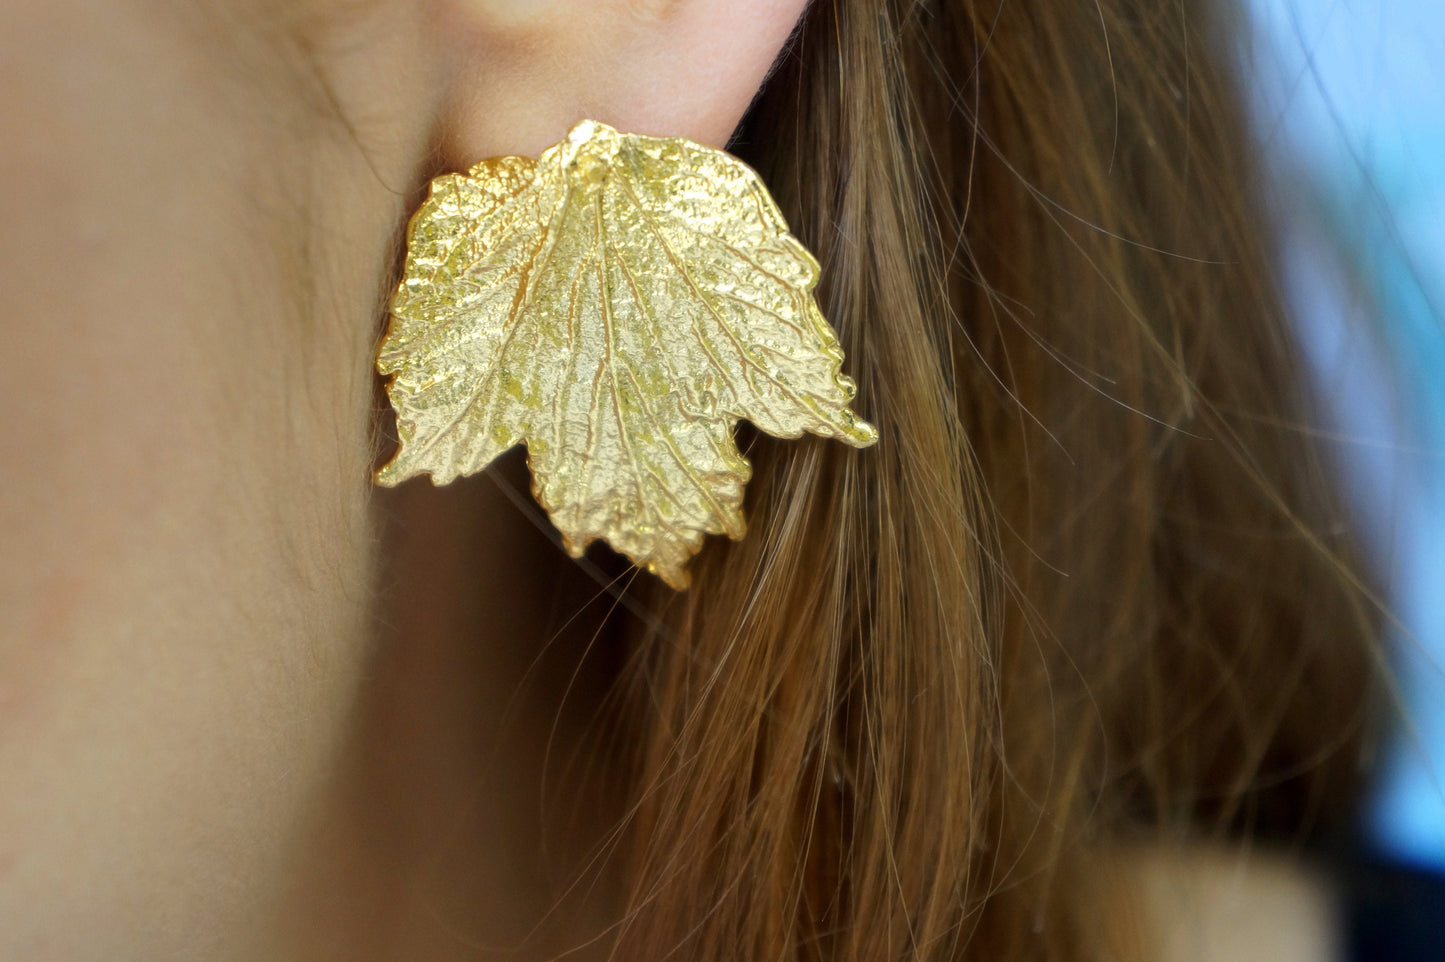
x=618 y=305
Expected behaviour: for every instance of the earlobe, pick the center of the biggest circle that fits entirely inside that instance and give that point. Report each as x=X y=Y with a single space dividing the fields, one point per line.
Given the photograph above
x=527 y=71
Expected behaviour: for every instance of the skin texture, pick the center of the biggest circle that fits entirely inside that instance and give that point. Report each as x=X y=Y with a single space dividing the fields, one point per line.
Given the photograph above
x=203 y=204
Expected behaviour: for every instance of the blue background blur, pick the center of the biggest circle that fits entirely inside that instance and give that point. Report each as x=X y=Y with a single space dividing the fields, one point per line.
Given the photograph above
x=1351 y=107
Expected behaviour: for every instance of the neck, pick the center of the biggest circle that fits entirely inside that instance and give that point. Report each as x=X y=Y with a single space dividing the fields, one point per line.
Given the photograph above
x=430 y=839
x=458 y=809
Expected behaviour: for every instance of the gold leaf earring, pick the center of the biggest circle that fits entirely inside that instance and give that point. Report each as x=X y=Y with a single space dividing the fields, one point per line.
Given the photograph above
x=617 y=305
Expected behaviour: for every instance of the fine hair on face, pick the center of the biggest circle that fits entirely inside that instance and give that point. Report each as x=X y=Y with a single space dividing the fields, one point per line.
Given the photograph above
x=1088 y=589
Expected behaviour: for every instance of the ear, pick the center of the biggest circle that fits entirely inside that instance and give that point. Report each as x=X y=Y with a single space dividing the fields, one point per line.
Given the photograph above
x=524 y=71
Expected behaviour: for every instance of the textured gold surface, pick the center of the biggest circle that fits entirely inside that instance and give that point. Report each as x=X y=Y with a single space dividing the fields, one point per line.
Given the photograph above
x=618 y=305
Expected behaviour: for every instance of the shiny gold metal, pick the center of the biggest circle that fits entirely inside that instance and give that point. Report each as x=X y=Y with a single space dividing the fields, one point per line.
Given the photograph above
x=617 y=305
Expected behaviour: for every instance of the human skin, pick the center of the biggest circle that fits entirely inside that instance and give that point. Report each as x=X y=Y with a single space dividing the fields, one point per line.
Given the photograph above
x=202 y=203
x=205 y=658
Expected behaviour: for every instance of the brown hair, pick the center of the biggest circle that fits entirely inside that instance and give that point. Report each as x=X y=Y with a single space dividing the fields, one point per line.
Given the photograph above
x=1088 y=581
